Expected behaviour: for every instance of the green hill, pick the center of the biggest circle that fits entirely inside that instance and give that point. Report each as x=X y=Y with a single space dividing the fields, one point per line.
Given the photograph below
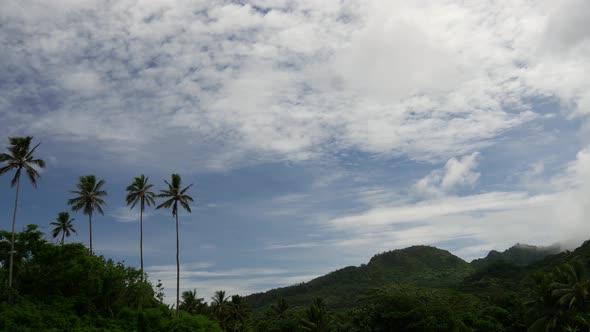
x=421 y=266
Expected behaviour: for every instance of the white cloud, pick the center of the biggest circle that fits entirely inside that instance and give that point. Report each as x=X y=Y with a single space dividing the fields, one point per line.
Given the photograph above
x=237 y=86
x=456 y=173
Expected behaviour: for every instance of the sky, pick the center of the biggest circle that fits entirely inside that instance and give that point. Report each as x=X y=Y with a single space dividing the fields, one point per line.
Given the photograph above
x=316 y=133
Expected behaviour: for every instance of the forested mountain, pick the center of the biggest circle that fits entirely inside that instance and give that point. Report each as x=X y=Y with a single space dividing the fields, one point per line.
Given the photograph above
x=421 y=266
x=524 y=288
x=416 y=266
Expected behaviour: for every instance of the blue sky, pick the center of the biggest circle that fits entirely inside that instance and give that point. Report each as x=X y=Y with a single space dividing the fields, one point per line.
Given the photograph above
x=317 y=133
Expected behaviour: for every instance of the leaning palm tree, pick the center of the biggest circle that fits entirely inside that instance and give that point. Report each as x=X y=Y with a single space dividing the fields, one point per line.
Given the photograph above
x=175 y=195
x=63 y=225
x=139 y=192
x=89 y=199
x=19 y=157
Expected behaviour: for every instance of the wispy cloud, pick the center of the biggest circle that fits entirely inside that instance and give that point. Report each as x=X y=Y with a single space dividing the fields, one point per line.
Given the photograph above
x=234 y=281
x=125 y=214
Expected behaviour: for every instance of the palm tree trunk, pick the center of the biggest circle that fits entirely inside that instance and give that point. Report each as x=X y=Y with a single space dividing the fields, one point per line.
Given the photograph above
x=11 y=268
x=90 y=231
x=63 y=234
x=141 y=238
x=177 y=268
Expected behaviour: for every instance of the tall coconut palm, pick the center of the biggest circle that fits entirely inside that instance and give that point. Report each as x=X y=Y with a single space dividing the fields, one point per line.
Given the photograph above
x=63 y=225
x=139 y=192
x=19 y=157
x=175 y=195
x=89 y=199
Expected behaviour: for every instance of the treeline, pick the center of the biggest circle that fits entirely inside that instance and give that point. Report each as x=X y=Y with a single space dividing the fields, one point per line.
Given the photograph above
x=65 y=288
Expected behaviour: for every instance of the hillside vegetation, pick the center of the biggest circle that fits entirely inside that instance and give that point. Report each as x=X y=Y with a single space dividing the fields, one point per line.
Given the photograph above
x=63 y=287
x=416 y=266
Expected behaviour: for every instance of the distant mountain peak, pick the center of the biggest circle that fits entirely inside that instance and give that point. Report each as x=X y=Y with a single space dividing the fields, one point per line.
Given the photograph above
x=519 y=254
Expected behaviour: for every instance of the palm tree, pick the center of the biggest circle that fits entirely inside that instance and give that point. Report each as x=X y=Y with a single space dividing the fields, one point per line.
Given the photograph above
x=175 y=195
x=219 y=306
x=191 y=303
x=219 y=299
x=572 y=289
x=562 y=298
x=19 y=157
x=280 y=308
x=89 y=199
x=237 y=314
x=138 y=192
x=316 y=318
x=63 y=225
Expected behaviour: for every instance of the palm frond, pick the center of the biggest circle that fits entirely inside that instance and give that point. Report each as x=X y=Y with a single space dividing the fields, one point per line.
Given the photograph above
x=149 y=199
x=185 y=189
x=99 y=209
x=30 y=153
x=33 y=175
x=4 y=157
x=7 y=168
x=185 y=206
x=38 y=162
x=166 y=204
x=16 y=177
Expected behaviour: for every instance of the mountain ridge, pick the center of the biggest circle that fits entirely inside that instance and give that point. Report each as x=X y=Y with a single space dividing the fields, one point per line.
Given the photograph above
x=416 y=266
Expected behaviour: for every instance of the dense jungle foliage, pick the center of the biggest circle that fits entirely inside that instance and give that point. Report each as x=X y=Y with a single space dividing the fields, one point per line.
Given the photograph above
x=62 y=287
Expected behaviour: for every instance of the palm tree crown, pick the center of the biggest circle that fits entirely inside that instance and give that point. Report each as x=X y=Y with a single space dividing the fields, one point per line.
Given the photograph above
x=191 y=303
x=139 y=192
x=19 y=157
x=63 y=225
x=219 y=299
x=89 y=199
x=175 y=195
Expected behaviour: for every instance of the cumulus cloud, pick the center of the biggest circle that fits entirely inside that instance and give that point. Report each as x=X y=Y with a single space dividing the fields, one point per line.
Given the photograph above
x=456 y=173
